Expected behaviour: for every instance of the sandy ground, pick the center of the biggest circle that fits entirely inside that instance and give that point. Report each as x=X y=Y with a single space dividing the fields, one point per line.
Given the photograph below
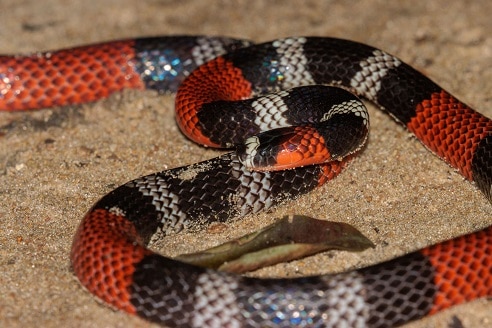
x=55 y=163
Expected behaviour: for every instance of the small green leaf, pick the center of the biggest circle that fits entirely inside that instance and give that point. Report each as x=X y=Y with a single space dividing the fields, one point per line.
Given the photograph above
x=292 y=237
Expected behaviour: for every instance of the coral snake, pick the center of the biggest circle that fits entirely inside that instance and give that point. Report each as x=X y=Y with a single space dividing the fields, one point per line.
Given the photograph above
x=233 y=93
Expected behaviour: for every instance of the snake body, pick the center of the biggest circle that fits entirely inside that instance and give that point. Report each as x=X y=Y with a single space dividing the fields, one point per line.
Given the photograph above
x=211 y=75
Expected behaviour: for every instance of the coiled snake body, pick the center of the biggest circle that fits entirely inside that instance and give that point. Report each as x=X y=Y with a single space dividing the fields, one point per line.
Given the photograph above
x=108 y=254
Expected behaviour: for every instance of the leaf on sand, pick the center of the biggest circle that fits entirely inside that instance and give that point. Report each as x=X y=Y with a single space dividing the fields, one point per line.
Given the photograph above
x=292 y=237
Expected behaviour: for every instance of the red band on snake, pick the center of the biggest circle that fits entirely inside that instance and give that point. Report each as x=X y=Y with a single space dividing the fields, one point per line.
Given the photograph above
x=109 y=254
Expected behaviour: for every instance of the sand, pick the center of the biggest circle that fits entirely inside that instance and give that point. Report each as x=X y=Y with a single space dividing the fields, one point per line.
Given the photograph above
x=56 y=163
